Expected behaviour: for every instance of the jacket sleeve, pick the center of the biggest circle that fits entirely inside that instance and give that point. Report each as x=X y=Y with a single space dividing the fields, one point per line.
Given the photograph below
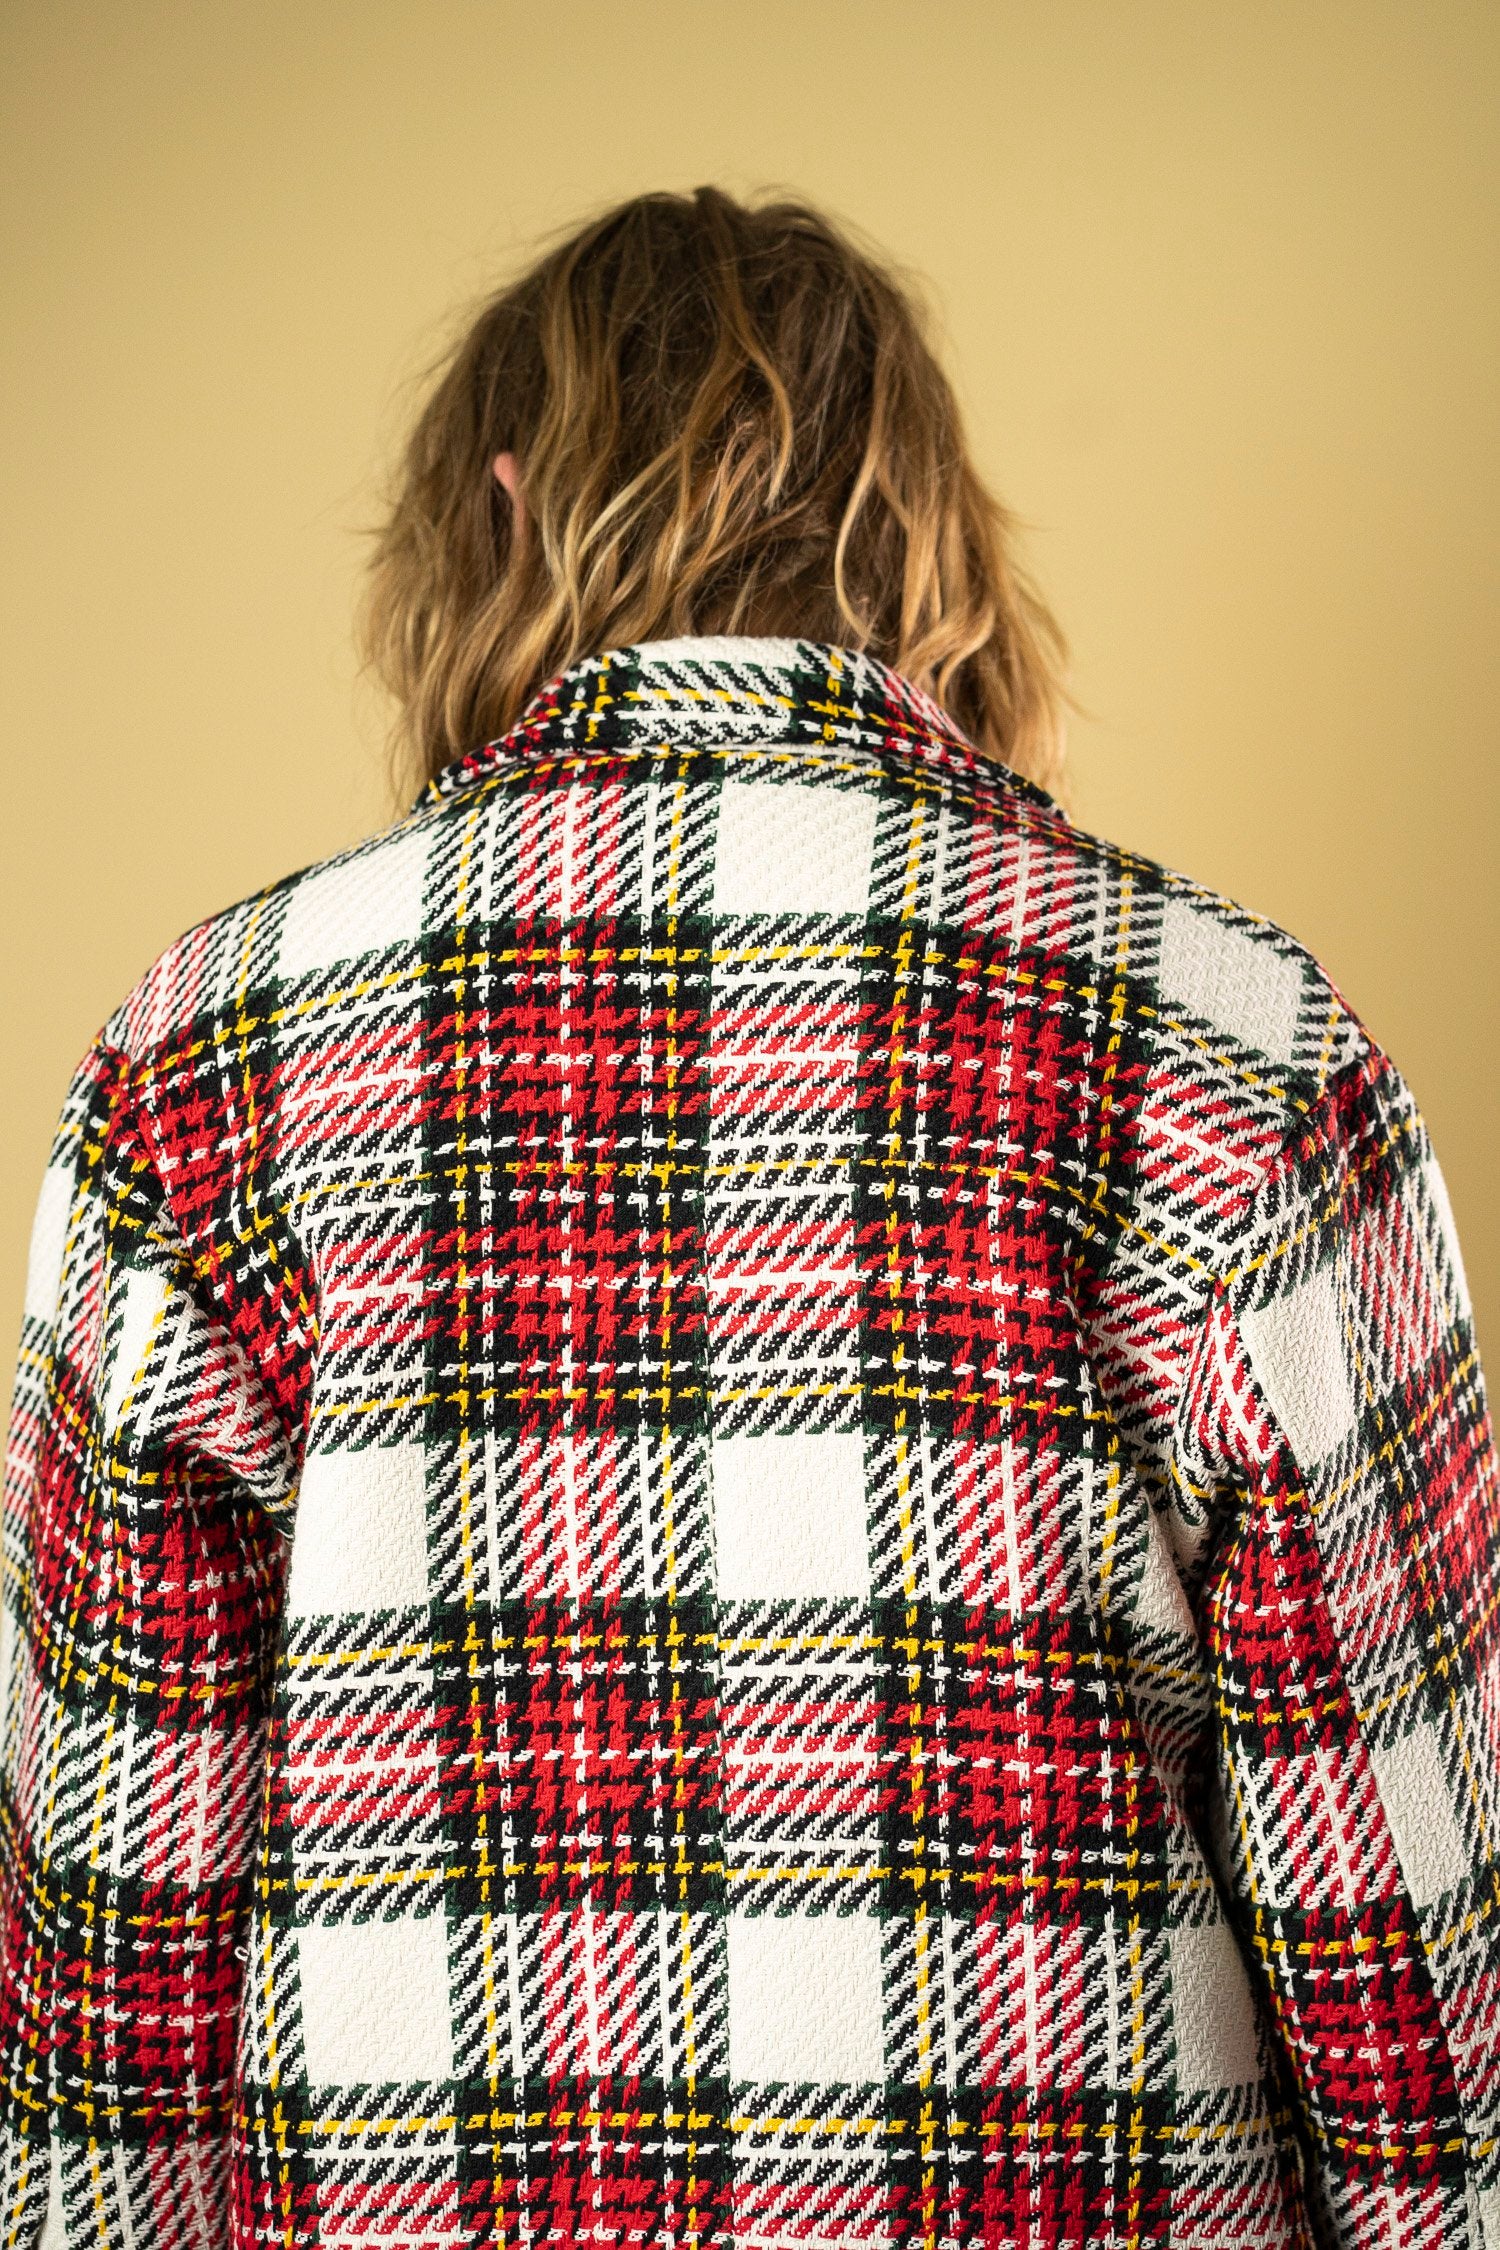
x=142 y=1578
x=1353 y=1620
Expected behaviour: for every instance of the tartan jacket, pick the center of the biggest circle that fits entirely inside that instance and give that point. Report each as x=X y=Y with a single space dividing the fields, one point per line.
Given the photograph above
x=749 y=1503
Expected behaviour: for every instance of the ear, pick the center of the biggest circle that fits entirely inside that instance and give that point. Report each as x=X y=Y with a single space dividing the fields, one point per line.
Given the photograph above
x=504 y=466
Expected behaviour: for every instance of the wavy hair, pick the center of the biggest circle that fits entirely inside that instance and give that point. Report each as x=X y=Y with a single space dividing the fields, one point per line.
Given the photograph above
x=728 y=418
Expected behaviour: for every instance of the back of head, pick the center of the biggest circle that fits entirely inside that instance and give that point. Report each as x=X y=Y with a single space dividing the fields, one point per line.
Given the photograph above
x=727 y=419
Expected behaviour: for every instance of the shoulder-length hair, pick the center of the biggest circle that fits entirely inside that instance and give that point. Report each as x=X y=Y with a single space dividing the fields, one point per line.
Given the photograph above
x=728 y=419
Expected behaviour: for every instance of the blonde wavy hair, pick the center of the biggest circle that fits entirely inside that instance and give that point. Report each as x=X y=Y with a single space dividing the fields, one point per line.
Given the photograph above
x=727 y=419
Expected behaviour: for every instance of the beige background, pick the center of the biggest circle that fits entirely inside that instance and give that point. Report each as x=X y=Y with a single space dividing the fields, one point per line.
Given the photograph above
x=1220 y=284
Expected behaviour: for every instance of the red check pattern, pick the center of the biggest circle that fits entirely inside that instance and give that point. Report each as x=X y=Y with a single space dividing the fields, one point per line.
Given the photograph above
x=749 y=1504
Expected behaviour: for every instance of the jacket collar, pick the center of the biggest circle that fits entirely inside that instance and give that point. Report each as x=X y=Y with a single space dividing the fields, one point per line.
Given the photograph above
x=729 y=689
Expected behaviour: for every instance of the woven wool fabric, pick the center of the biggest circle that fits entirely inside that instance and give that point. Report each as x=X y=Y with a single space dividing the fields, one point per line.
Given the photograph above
x=749 y=1504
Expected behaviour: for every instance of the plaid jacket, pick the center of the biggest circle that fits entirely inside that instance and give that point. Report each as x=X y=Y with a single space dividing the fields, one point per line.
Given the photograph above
x=749 y=1503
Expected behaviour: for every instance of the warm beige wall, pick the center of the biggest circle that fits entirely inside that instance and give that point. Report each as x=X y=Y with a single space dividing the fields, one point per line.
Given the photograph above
x=1221 y=286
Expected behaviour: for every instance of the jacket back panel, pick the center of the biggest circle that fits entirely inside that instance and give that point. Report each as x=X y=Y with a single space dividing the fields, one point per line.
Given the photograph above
x=725 y=1390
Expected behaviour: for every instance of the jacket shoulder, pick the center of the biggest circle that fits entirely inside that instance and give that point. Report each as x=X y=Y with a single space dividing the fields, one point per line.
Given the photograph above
x=1198 y=982
x=1182 y=970
x=335 y=915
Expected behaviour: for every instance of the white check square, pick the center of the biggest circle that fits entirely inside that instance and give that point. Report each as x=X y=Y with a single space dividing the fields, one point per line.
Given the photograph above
x=793 y=847
x=789 y=1517
x=805 y=2002
x=1230 y=978
x=360 y=906
x=359 y=1541
x=375 y=2001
